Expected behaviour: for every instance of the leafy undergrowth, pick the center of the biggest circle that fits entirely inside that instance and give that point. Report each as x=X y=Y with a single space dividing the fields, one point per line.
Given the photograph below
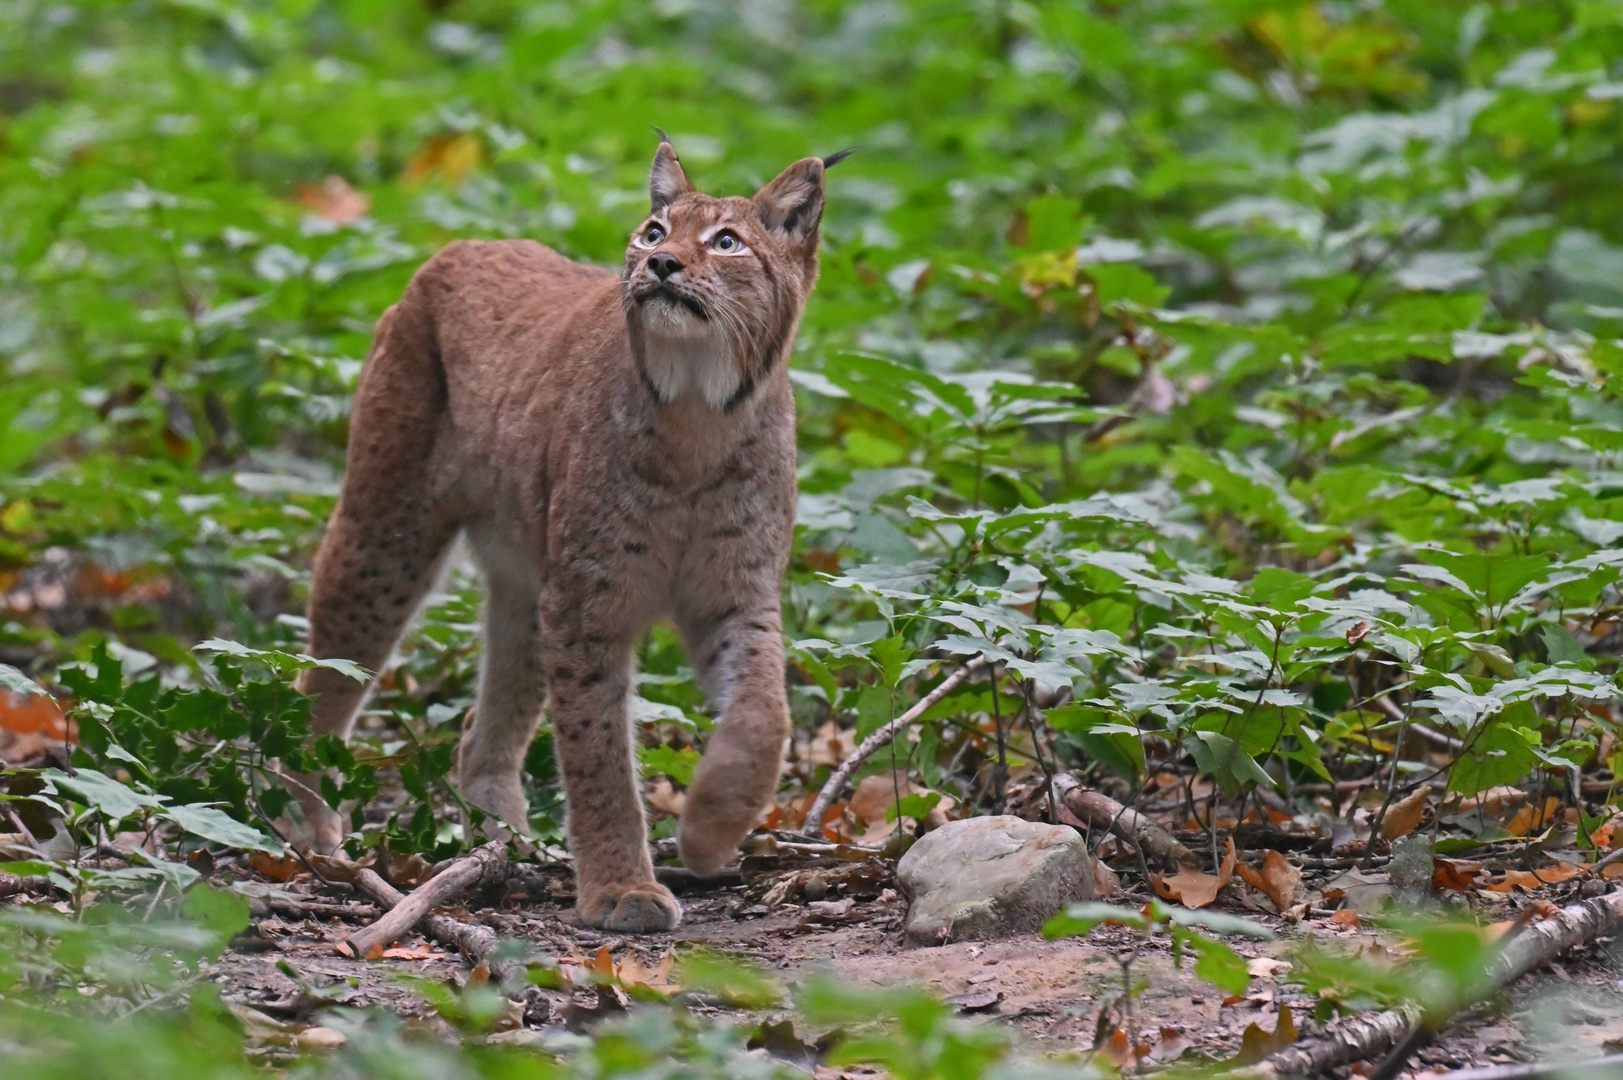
x=1239 y=379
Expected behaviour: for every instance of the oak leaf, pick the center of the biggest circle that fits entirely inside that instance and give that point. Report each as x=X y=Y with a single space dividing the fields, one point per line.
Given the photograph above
x=1531 y=817
x=334 y=200
x=1277 y=880
x=1196 y=888
x=1256 y=1044
x=1455 y=875
x=1404 y=816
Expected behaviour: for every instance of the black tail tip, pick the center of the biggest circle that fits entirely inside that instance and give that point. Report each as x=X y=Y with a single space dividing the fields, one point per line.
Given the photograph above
x=834 y=159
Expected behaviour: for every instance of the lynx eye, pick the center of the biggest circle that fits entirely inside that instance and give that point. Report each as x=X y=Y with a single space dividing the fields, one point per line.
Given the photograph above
x=653 y=235
x=727 y=242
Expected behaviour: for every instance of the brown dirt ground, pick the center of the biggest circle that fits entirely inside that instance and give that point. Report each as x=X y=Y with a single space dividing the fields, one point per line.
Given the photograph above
x=1049 y=993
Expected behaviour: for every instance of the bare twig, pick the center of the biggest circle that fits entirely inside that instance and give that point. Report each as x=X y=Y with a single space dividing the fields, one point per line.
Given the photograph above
x=813 y=823
x=482 y=866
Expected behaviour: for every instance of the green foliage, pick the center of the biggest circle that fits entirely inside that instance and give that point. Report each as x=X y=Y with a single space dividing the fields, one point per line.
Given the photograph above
x=1224 y=367
x=1444 y=967
x=1215 y=961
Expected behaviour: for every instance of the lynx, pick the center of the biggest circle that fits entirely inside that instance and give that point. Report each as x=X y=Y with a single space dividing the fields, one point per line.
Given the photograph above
x=617 y=449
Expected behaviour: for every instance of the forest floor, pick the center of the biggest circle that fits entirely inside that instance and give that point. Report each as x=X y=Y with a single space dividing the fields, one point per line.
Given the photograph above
x=1053 y=993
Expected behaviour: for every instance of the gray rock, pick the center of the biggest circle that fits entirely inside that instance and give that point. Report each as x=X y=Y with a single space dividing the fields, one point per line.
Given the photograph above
x=990 y=877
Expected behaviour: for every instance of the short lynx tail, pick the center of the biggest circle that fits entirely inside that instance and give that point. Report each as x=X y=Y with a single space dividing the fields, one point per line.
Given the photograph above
x=730 y=788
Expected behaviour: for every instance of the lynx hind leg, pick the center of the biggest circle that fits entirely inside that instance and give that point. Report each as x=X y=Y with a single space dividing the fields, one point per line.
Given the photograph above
x=383 y=545
x=739 y=657
x=369 y=578
x=490 y=759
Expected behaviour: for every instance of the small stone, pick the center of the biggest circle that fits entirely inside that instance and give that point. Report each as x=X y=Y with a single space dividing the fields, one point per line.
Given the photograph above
x=991 y=877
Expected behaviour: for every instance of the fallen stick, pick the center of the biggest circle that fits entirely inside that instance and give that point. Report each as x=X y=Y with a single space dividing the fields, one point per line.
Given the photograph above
x=12 y=884
x=812 y=825
x=1359 y=1037
x=1098 y=811
x=472 y=940
x=483 y=866
x=1601 y=1068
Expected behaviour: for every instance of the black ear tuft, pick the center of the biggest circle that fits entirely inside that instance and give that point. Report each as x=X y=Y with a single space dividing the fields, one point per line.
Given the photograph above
x=834 y=159
x=664 y=138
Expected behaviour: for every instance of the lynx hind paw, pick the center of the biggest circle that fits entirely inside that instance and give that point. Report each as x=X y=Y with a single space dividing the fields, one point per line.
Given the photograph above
x=648 y=908
x=705 y=850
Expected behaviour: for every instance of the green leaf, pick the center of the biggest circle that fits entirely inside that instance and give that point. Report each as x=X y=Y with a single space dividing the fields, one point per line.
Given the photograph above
x=1222 y=759
x=224 y=914
x=1216 y=962
x=15 y=681
x=1078 y=920
x=676 y=764
x=917 y=806
x=218 y=826
x=101 y=792
x=1500 y=752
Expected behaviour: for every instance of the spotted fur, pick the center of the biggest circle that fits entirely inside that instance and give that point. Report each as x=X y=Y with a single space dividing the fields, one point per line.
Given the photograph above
x=618 y=450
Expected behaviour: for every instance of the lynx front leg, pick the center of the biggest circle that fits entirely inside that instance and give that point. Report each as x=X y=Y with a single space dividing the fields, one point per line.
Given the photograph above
x=739 y=657
x=589 y=679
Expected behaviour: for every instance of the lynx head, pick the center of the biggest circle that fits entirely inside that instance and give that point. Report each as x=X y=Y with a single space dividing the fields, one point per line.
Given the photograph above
x=713 y=288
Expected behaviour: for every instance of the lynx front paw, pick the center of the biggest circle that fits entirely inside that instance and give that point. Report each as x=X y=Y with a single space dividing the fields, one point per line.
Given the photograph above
x=648 y=908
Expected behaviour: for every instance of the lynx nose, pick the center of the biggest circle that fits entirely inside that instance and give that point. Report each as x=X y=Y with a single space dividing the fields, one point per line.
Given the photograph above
x=664 y=264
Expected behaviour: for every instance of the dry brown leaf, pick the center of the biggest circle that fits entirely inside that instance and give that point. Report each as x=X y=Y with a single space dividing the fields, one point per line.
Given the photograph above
x=1172 y=1045
x=830 y=745
x=662 y=797
x=1612 y=872
x=1266 y=967
x=1105 y=881
x=334 y=200
x=1278 y=879
x=277 y=868
x=872 y=801
x=32 y=714
x=1404 y=816
x=1544 y=909
x=874 y=797
x=417 y=952
x=450 y=156
x=1116 y=1051
x=835 y=828
x=1531 y=817
x=1493 y=801
x=1347 y=917
x=320 y=1038
x=1196 y=888
x=1455 y=875
x=1357 y=632
x=602 y=963
x=632 y=972
x=1532 y=879
x=1256 y=1044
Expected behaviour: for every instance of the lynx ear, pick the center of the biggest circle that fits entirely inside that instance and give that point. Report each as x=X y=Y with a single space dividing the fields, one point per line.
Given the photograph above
x=667 y=182
x=793 y=203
